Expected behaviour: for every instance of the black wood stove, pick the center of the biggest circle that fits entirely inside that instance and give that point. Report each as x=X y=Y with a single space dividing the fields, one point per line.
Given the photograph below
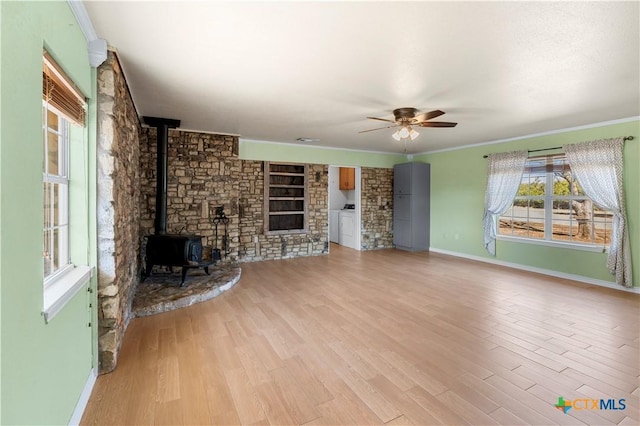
x=171 y=250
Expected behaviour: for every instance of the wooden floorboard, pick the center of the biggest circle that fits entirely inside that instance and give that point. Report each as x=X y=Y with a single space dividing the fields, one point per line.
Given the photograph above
x=380 y=337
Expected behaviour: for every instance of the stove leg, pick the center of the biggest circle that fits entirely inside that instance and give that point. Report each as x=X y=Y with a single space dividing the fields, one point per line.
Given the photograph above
x=184 y=276
x=147 y=271
x=206 y=270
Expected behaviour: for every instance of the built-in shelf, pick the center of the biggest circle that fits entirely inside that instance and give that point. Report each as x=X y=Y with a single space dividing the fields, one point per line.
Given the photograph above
x=285 y=174
x=285 y=197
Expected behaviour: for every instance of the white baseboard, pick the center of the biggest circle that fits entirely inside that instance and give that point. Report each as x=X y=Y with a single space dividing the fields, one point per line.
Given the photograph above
x=76 y=417
x=550 y=272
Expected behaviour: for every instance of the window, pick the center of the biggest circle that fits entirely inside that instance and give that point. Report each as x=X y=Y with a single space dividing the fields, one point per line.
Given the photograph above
x=285 y=195
x=65 y=189
x=55 y=191
x=551 y=206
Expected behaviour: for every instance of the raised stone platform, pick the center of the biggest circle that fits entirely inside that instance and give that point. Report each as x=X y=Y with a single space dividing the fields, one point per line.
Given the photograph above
x=162 y=292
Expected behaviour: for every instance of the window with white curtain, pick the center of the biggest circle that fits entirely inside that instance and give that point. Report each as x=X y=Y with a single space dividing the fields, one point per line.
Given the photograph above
x=551 y=206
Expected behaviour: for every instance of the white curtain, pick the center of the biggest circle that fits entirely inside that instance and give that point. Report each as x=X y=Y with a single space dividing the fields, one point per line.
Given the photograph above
x=597 y=166
x=503 y=179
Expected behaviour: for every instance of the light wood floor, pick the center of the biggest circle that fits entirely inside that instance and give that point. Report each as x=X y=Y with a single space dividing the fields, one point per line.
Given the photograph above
x=380 y=337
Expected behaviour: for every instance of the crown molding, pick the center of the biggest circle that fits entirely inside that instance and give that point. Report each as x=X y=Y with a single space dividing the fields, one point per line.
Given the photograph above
x=535 y=135
x=97 y=47
x=97 y=51
x=333 y=148
x=79 y=11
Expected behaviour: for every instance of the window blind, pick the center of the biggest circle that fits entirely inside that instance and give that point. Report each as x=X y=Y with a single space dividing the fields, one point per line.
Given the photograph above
x=61 y=93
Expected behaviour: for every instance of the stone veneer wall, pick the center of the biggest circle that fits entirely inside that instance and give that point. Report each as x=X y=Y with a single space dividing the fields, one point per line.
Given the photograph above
x=204 y=173
x=118 y=209
x=377 y=208
x=255 y=244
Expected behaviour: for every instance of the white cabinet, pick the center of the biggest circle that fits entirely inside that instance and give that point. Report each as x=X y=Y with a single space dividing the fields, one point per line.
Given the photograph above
x=348 y=228
x=411 y=190
x=334 y=226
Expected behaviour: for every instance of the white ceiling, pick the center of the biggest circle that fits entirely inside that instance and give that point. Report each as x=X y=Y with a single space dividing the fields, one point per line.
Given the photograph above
x=277 y=71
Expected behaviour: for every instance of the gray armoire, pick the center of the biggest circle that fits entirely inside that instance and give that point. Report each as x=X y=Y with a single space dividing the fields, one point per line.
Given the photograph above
x=411 y=191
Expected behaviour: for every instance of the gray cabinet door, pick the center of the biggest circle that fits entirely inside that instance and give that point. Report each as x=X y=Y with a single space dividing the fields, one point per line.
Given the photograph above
x=402 y=178
x=402 y=207
x=402 y=234
x=411 y=215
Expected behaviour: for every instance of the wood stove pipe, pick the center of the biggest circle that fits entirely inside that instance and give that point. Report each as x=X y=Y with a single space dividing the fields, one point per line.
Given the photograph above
x=162 y=126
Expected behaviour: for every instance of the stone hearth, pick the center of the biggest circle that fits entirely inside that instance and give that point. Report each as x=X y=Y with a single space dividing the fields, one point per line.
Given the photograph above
x=161 y=292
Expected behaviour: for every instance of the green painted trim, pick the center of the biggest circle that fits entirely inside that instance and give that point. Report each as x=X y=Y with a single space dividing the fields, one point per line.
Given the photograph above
x=78 y=200
x=92 y=221
x=1 y=198
x=286 y=152
x=458 y=181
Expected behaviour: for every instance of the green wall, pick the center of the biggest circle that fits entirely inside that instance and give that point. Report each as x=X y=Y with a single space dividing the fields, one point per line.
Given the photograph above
x=1 y=97
x=458 y=181
x=271 y=151
x=44 y=366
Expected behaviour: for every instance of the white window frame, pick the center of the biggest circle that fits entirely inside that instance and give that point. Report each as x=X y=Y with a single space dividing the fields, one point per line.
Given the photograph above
x=60 y=286
x=548 y=198
x=61 y=179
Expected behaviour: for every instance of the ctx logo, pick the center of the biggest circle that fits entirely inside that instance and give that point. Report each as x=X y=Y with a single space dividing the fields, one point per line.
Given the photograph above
x=590 y=404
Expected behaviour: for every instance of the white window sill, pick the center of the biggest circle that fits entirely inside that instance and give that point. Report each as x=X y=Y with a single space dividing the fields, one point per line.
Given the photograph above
x=558 y=244
x=59 y=292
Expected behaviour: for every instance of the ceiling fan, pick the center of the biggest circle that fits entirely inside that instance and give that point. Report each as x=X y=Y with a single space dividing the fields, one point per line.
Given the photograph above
x=405 y=118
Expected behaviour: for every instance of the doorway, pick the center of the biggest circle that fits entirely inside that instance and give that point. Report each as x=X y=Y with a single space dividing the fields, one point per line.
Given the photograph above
x=345 y=206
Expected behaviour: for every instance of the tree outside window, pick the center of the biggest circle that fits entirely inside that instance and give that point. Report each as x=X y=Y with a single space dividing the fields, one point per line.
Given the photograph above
x=550 y=205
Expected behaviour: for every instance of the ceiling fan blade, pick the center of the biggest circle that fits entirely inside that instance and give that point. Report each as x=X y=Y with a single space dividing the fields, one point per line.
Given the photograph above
x=381 y=119
x=379 y=128
x=428 y=115
x=436 y=124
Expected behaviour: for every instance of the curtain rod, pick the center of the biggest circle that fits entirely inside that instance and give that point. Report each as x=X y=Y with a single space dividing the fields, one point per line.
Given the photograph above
x=626 y=138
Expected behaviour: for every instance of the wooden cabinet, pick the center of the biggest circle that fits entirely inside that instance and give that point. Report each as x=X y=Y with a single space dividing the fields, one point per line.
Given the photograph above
x=285 y=197
x=347 y=178
x=411 y=189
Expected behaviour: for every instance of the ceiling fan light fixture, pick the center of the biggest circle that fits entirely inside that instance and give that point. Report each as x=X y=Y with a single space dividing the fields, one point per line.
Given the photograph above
x=406 y=118
x=406 y=132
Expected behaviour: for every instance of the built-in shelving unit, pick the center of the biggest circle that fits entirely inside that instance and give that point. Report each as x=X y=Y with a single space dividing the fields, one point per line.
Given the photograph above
x=285 y=197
